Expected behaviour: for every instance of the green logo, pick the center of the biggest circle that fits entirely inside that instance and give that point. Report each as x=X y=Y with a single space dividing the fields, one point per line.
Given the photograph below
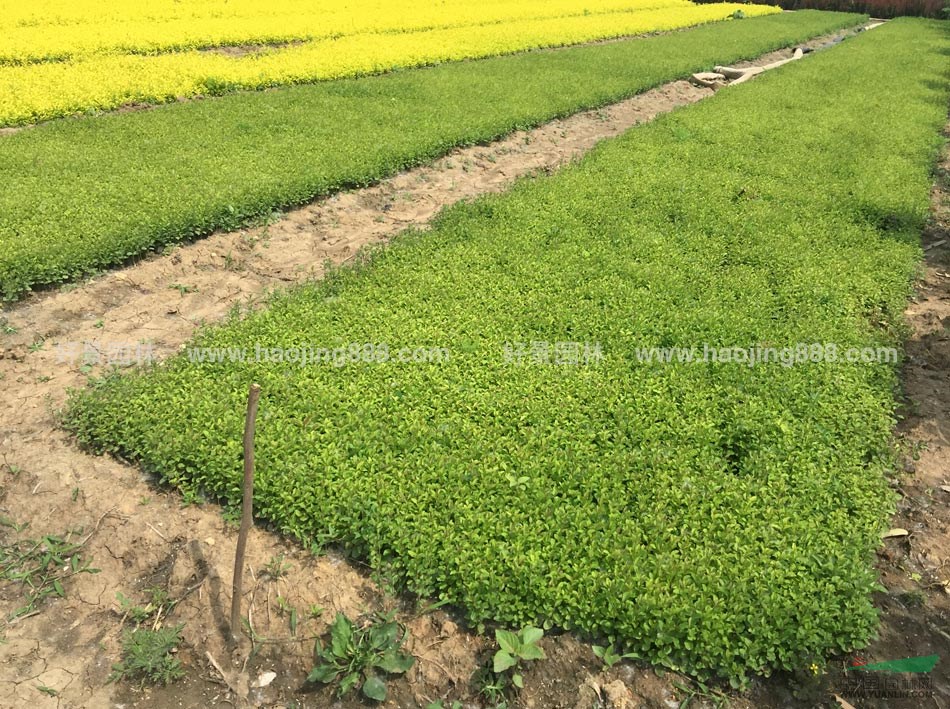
x=909 y=664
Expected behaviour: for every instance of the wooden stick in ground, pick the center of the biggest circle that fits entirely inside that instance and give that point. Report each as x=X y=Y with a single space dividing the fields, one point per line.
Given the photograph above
x=247 y=512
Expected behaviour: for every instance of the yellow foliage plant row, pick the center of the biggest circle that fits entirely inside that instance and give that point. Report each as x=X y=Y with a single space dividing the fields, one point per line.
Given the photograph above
x=59 y=29
x=41 y=91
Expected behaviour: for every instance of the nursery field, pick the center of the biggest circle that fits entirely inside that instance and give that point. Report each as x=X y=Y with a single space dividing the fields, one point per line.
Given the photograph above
x=74 y=201
x=711 y=517
x=61 y=58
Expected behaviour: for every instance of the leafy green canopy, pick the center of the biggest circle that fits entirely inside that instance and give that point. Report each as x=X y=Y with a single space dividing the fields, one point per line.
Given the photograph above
x=84 y=194
x=714 y=517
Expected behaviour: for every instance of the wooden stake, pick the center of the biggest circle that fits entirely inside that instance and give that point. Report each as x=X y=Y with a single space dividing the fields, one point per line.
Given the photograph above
x=247 y=512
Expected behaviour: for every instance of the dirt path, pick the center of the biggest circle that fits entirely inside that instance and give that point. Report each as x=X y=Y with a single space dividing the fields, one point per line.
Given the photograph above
x=143 y=538
x=916 y=569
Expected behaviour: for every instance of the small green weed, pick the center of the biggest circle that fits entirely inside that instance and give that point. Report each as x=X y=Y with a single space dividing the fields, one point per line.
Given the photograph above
x=183 y=289
x=609 y=656
x=505 y=669
x=276 y=568
x=159 y=603
x=284 y=608
x=515 y=648
x=232 y=516
x=148 y=656
x=695 y=690
x=356 y=655
x=41 y=566
x=191 y=497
